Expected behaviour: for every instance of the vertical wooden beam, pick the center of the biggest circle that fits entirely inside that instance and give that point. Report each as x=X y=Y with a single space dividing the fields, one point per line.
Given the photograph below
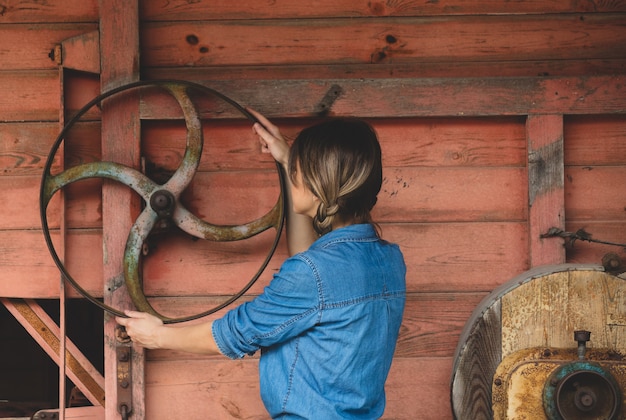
x=546 y=197
x=119 y=58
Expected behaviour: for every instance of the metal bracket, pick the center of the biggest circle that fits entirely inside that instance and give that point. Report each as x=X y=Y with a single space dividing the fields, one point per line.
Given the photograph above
x=124 y=357
x=323 y=108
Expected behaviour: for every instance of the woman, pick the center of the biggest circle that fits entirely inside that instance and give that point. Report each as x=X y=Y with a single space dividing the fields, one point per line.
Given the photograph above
x=328 y=322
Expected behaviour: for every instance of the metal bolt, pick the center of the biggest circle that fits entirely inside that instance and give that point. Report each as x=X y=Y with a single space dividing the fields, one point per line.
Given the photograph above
x=582 y=336
x=123 y=356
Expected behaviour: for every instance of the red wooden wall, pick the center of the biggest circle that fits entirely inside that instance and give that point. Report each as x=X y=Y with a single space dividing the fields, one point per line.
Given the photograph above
x=465 y=95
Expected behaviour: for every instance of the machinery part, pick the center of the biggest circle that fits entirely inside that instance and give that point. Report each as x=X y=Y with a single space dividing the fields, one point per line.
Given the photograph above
x=162 y=200
x=581 y=391
x=535 y=309
x=581 y=337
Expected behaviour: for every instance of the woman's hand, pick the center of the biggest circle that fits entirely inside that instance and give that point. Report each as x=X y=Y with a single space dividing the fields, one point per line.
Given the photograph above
x=270 y=138
x=143 y=328
x=148 y=331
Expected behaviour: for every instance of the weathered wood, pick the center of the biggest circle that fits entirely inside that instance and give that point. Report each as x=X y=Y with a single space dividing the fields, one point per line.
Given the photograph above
x=394 y=40
x=69 y=11
x=520 y=314
x=450 y=142
x=408 y=194
x=530 y=68
x=561 y=303
x=200 y=10
x=33 y=96
x=29 y=46
x=425 y=194
x=29 y=96
x=416 y=194
x=430 y=326
x=396 y=63
x=24 y=147
x=82 y=52
x=594 y=140
x=228 y=389
x=119 y=58
x=48 y=335
x=587 y=186
x=384 y=98
x=546 y=195
x=481 y=348
x=439 y=256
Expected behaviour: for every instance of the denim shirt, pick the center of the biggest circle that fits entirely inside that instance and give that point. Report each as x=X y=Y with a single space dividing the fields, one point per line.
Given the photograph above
x=326 y=325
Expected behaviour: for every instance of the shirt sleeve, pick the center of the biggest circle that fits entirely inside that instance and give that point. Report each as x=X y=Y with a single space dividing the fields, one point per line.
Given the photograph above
x=288 y=306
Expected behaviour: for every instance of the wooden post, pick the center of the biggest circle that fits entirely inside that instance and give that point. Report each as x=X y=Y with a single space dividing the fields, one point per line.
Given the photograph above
x=546 y=198
x=119 y=55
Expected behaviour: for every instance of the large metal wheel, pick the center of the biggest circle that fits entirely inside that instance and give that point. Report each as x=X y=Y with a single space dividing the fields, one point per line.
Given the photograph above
x=161 y=200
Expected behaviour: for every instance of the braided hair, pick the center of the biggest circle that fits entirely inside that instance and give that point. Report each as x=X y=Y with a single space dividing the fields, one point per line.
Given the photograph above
x=340 y=162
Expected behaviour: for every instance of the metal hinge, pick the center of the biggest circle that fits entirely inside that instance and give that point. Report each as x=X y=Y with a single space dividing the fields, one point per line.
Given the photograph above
x=124 y=357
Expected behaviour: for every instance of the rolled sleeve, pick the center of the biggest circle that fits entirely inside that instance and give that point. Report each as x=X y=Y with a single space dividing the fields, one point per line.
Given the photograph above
x=289 y=305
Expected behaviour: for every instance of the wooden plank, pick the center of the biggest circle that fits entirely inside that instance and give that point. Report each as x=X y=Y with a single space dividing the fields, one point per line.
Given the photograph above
x=393 y=40
x=546 y=195
x=409 y=194
x=440 y=257
x=595 y=140
x=229 y=389
x=33 y=96
x=479 y=353
x=591 y=193
x=430 y=328
x=82 y=52
x=27 y=269
x=28 y=46
x=24 y=147
x=119 y=57
x=383 y=98
x=29 y=11
x=22 y=192
x=560 y=304
x=504 y=68
x=430 y=400
x=433 y=195
x=29 y=96
x=432 y=142
x=432 y=323
x=217 y=10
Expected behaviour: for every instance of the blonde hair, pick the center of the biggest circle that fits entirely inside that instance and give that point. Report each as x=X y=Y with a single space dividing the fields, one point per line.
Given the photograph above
x=340 y=162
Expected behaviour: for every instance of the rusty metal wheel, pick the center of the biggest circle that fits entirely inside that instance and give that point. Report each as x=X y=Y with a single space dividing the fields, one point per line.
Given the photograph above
x=162 y=200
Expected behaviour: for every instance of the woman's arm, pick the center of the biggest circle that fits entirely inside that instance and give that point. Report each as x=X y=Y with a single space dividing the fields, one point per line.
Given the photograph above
x=148 y=331
x=300 y=231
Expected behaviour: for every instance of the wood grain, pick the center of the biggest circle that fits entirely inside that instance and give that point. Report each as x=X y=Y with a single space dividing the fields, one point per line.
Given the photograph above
x=199 y=10
x=391 y=40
